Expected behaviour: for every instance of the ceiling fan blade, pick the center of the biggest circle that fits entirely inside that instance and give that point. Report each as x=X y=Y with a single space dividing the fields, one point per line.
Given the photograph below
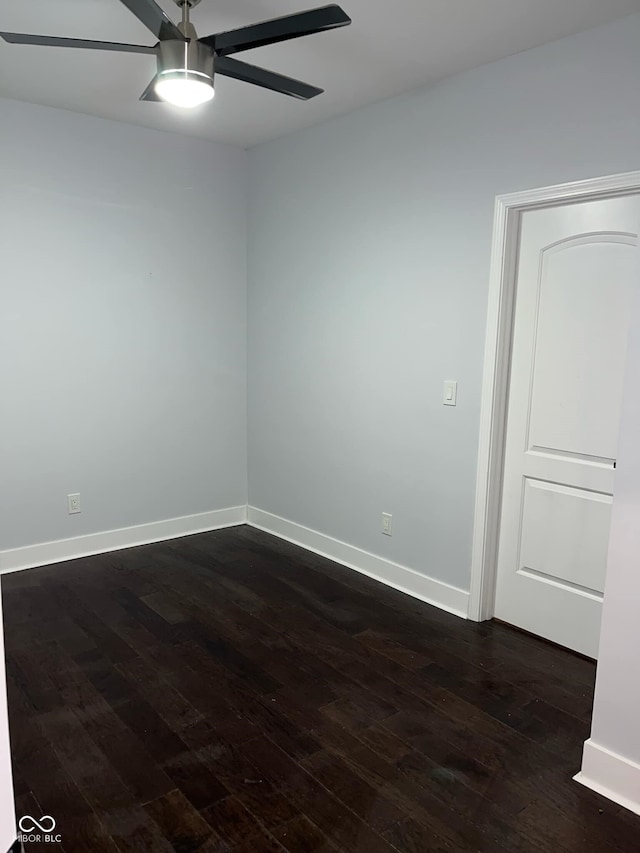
x=267 y=79
x=278 y=29
x=154 y=19
x=149 y=93
x=54 y=41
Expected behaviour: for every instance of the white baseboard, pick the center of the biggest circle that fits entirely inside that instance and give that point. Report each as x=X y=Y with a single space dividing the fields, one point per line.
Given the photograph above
x=607 y=773
x=113 y=540
x=399 y=577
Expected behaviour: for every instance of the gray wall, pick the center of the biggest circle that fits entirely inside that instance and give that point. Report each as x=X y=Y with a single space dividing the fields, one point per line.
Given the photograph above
x=369 y=248
x=123 y=325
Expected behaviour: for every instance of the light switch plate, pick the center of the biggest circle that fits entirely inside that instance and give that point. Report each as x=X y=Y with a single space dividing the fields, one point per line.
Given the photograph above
x=450 y=393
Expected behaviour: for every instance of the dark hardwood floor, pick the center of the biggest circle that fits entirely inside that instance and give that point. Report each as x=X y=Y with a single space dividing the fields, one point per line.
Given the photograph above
x=231 y=692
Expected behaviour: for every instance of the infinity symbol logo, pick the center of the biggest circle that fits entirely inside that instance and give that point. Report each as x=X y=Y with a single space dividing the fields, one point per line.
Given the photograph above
x=45 y=824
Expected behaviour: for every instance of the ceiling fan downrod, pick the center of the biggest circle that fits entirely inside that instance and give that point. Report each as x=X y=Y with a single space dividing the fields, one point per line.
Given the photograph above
x=189 y=3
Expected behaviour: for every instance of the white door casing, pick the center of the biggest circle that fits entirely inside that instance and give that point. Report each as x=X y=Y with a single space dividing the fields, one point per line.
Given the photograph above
x=575 y=275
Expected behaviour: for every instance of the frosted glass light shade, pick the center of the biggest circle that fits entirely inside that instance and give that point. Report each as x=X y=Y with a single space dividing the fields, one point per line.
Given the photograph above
x=184 y=88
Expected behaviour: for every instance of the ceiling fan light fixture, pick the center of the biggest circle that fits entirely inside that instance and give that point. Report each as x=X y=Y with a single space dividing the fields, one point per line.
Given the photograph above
x=185 y=70
x=186 y=89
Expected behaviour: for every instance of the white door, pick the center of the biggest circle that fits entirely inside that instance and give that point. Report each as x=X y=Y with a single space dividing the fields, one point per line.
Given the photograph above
x=577 y=268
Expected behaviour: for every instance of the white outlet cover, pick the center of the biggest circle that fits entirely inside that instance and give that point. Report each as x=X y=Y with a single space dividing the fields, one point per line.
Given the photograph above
x=73 y=504
x=386 y=524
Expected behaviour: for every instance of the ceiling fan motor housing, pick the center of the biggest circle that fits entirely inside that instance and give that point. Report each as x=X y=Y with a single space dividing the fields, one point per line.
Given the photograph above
x=180 y=59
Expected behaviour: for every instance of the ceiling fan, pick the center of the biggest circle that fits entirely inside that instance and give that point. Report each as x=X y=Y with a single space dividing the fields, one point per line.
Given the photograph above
x=187 y=64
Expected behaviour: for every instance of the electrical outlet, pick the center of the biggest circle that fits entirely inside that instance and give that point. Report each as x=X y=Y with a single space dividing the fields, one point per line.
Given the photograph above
x=385 y=525
x=73 y=503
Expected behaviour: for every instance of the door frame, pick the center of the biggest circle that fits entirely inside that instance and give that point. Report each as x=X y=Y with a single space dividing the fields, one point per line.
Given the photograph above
x=493 y=411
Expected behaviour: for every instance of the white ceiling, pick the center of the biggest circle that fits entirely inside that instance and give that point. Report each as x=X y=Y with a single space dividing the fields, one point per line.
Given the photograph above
x=391 y=47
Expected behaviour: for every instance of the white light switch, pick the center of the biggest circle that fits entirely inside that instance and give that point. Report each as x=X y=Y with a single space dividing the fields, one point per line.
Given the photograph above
x=450 y=393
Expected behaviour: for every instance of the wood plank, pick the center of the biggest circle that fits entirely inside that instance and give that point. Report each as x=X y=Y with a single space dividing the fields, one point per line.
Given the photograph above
x=183 y=826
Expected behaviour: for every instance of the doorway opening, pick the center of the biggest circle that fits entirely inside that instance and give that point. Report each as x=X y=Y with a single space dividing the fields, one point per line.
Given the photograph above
x=509 y=213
